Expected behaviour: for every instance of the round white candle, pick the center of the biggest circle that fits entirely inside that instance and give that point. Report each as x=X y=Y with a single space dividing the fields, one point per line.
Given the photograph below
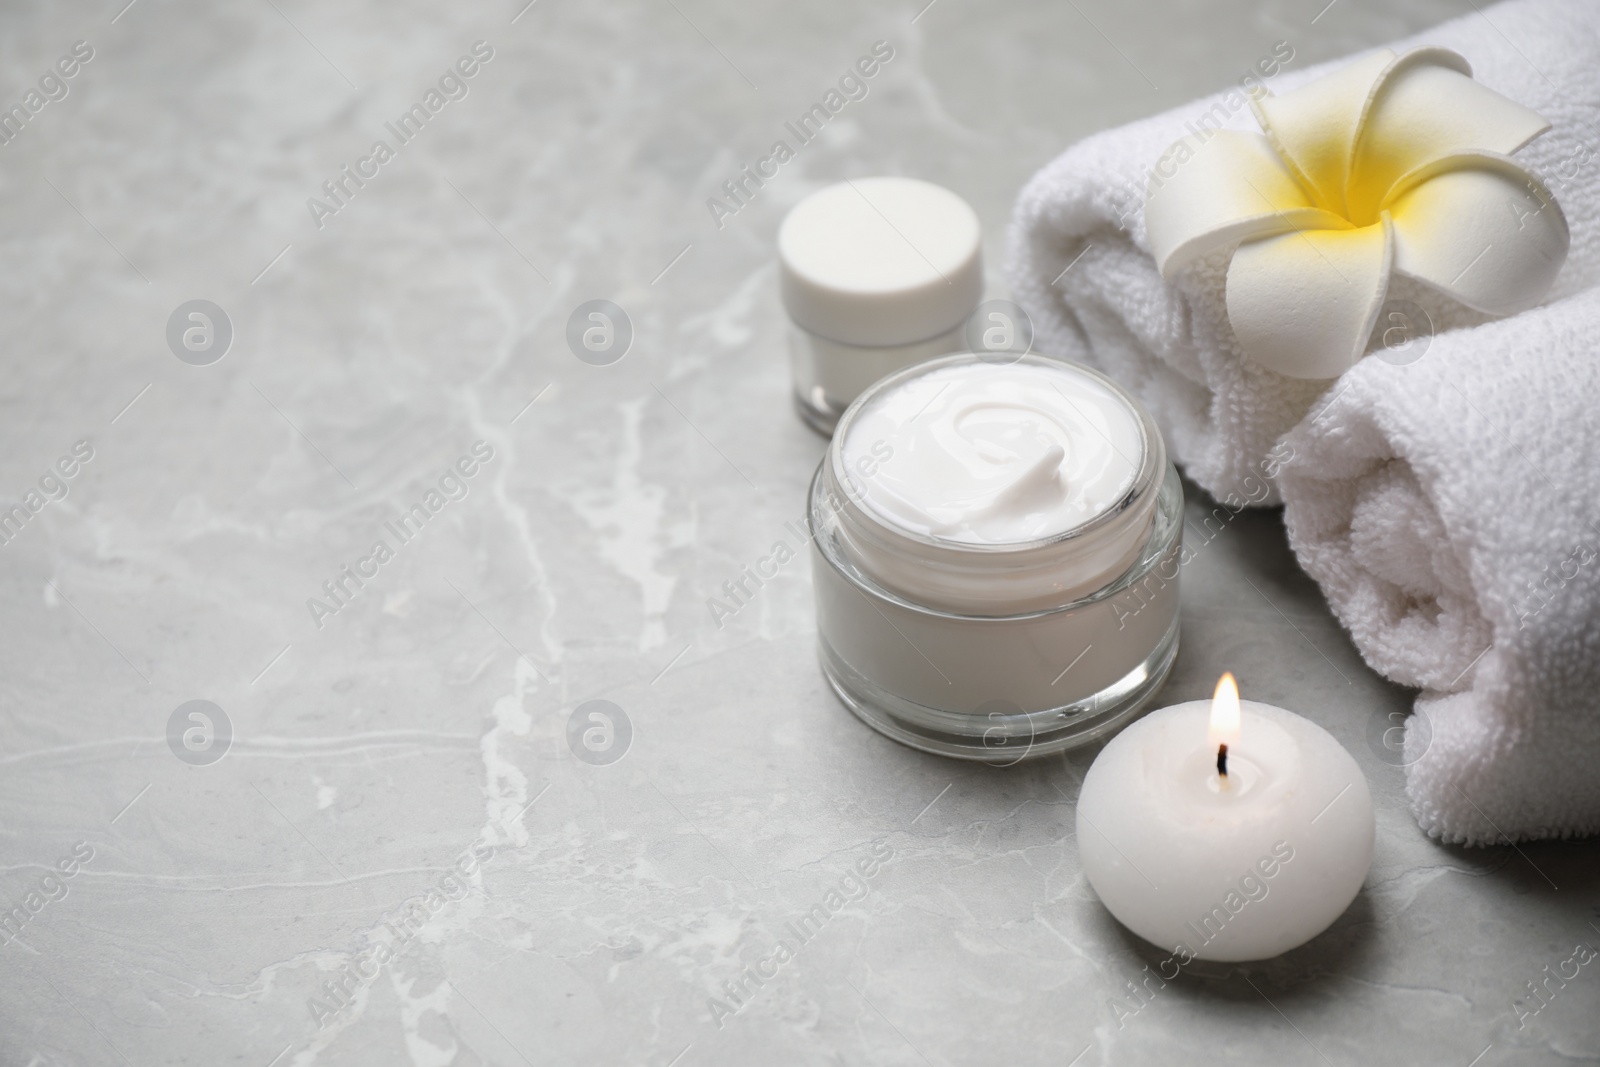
x=1238 y=868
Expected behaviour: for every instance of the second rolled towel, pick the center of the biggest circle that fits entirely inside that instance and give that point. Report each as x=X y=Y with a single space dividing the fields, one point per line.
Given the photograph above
x=1447 y=508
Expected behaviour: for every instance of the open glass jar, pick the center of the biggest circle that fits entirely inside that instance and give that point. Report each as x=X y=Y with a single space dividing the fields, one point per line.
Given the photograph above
x=995 y=554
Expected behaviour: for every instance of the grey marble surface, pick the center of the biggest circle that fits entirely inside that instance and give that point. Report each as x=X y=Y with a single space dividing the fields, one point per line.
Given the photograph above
x=375 y=746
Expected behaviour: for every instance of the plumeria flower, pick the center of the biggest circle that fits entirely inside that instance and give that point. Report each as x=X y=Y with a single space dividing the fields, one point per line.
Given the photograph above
x=1392 y=164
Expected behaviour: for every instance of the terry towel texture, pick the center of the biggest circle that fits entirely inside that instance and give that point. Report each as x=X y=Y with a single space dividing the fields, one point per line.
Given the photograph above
x=1171 y=343
x=1450 y=510
x=1447 y=506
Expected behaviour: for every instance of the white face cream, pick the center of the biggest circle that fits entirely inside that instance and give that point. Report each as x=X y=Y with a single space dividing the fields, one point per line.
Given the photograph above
x=994 y=455
x=996 y=557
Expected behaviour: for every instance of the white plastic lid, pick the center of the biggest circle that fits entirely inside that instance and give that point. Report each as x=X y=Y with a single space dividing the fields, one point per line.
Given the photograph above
x=880 y=261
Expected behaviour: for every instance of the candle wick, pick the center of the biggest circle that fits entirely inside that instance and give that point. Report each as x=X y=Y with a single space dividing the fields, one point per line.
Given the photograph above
x=1222 y=760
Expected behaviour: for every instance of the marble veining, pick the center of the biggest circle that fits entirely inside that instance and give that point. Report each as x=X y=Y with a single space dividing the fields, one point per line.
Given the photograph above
x=422 y=770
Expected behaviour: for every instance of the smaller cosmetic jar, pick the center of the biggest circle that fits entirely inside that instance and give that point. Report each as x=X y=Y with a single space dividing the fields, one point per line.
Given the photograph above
x=877 y=274
x=995 y=556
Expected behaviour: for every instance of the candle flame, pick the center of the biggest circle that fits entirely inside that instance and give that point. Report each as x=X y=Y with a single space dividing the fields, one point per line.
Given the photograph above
x=1225 y=712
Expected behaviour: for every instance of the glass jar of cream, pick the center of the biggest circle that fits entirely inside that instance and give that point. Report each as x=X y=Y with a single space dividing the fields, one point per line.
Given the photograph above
x=876 y=274
x=995 y=552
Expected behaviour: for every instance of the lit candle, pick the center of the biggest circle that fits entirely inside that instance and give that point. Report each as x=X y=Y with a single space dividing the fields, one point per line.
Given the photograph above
x=1225 y=830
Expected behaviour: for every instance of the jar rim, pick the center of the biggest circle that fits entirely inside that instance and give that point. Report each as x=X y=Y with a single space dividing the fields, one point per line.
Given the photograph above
x=1147 y=477
x=871 y=586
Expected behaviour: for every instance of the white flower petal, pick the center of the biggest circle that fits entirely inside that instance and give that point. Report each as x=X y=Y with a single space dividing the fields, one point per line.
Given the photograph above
x=1303 y=304
x=1208 y=195
x=1315 y=126
x=1483 y=230
x=1424 y=108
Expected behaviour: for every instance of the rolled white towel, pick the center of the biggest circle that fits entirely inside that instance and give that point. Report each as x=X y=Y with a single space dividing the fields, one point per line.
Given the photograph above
x=1450 y=510
x=1080 y=261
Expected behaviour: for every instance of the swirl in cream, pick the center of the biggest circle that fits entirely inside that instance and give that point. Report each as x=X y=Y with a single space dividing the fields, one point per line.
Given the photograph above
x=981 y=454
